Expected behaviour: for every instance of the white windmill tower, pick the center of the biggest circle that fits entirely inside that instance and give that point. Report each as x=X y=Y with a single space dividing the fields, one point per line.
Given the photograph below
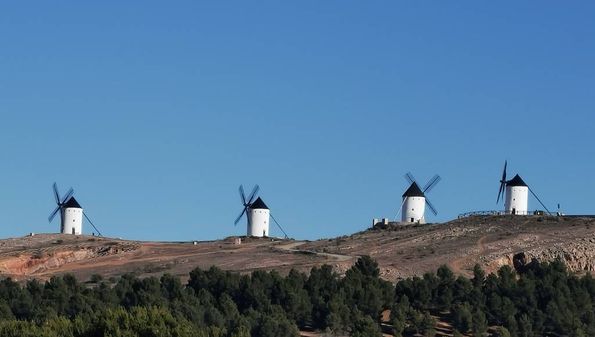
x=414 y=202
x=258 y=214
x=71 y=213
x=515 y=193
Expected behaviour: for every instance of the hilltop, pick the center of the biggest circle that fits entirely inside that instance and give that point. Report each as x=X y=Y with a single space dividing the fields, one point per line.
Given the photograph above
x=400 y=250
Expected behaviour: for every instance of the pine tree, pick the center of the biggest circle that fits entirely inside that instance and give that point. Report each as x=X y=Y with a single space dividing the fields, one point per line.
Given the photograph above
x=480 y=323
x=462 y=317
x=398 y=316
x=428 y=325
x=525 y=326
x=501 y=331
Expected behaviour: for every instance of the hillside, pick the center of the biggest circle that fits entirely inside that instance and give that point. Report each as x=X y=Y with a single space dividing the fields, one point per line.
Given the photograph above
x=401 y=251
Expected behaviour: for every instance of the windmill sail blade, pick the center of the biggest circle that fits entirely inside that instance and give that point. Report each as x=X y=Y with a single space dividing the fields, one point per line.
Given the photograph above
x=278 y=225
x=53 y=214
x=242 y=195
x=240 y=216
x=431 y=207
x=504 y=171
x=409 y=177
x=433 y=182
x=56 y=193
x=502 y=183
x=501 y=192
x=253 y=194
x=67 y=195
x=535 y=195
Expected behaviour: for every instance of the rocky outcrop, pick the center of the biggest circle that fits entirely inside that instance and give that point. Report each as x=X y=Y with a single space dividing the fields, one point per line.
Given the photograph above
x=40 y=260
x=578 y=256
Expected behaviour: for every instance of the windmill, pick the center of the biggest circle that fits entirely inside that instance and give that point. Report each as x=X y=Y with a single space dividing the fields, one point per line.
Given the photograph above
x=257 y=214
x=515 y=193
x=414 y=202
x=71 y=213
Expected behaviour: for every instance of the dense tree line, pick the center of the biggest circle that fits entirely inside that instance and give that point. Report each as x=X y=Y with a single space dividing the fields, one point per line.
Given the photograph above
x=540 y=300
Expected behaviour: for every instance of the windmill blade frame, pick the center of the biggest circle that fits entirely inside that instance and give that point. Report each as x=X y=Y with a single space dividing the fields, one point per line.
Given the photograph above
x=53 y=214
x=59 y=201
x=235 y=223
x=68 y=195
x=246 y=202
x=242 y=195
x=431 y=207
x=504 y=171
x=502 y=188
x=501 y=191
x=409 y=177
x=253 y=193
x=431 y=184
x=56 y=193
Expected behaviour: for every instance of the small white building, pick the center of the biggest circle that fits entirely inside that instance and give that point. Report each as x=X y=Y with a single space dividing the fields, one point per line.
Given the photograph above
x=414 y=205
x=258 y=219
x=517 y=196
x=72 y=218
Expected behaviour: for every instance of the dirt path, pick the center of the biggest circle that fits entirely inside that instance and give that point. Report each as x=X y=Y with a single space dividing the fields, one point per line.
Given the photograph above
x=292 y=248
x=456 y=265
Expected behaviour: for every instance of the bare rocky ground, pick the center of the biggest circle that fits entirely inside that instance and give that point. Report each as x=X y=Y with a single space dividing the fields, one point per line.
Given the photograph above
x=491 y=241
x=401 y=250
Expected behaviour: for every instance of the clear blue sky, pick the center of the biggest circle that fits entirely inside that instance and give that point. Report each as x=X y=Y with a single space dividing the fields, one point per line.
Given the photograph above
x=155 y=113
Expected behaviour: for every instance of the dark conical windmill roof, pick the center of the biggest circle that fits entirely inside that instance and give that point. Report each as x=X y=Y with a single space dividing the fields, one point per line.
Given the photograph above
x=71 y=203
x=413 y=191
x=516 y=181
x=258 y=204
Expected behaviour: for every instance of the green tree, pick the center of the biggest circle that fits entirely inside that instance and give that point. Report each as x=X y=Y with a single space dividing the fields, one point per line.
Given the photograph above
x=339 y=317
x=480 y=323
x=275 y=324
x=321 y=286
x=367 y=266
x=241 y=331
x=365 y=326
x=525 y=326
x=364 y=289
x=398 y=316
x=428 y=325
x=462 y=317
x=501 y=331
x=416 y=320
x=5 y=311
x=446 y=281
